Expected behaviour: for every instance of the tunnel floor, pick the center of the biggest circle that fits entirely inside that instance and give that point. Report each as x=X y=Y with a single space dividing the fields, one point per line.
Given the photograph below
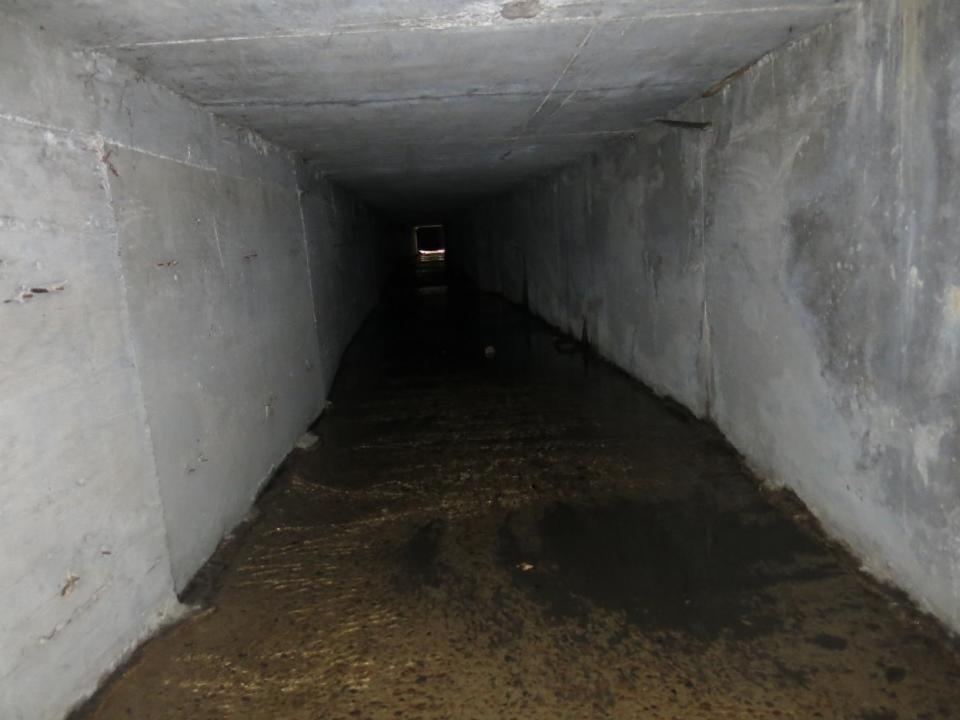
x=524 y=532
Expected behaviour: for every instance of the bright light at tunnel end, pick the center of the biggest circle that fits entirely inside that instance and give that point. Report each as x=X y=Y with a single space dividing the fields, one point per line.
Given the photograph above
x=430 y=241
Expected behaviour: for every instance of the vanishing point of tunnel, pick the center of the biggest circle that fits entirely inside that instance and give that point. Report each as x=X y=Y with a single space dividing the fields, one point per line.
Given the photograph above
x=479 y=359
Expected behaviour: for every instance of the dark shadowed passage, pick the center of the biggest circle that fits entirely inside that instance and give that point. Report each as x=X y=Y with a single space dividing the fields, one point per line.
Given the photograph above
x=495 y=524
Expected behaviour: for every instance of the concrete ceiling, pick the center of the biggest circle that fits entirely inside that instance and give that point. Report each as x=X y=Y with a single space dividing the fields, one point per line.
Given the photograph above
x=420 y=105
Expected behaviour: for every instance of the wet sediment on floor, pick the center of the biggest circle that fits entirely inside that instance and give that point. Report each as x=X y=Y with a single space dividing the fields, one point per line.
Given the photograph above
x=527 y=533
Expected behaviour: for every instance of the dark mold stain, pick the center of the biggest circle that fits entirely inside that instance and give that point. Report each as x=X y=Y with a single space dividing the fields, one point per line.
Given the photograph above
x=829 y=642
x=421 y=555
x=680 y=565
x=895 y=674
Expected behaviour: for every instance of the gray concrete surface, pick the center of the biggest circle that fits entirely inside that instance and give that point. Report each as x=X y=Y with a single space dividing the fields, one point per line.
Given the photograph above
x=418 y=105
x=181 y=289
x=222 y=322
x=160 y=352
x=84 y=571
x=791 y=273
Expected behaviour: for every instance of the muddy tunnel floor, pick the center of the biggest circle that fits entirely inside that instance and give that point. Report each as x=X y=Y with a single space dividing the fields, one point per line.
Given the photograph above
x=494 y=524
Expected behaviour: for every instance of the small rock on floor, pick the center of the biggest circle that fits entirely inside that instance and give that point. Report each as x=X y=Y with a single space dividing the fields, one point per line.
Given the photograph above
x=307 y=441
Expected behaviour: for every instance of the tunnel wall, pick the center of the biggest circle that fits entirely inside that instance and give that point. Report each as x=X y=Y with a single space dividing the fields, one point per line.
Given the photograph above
x=223 y=333
x=161 y=352
x=349 y=269
x=610 y=249
x=791 y=273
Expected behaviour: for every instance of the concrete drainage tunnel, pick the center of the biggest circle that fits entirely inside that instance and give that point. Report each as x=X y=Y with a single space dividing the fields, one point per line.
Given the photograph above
x=479 y=359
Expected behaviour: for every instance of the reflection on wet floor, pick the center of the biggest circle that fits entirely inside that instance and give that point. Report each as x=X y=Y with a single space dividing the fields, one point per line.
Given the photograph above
x=527 y=535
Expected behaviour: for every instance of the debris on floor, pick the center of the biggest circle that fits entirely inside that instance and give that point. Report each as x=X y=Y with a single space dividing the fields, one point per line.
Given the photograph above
x=307 y=441
x=69 y=585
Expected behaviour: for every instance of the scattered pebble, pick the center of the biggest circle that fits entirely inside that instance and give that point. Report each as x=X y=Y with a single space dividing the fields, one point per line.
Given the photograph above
x=307 y=441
